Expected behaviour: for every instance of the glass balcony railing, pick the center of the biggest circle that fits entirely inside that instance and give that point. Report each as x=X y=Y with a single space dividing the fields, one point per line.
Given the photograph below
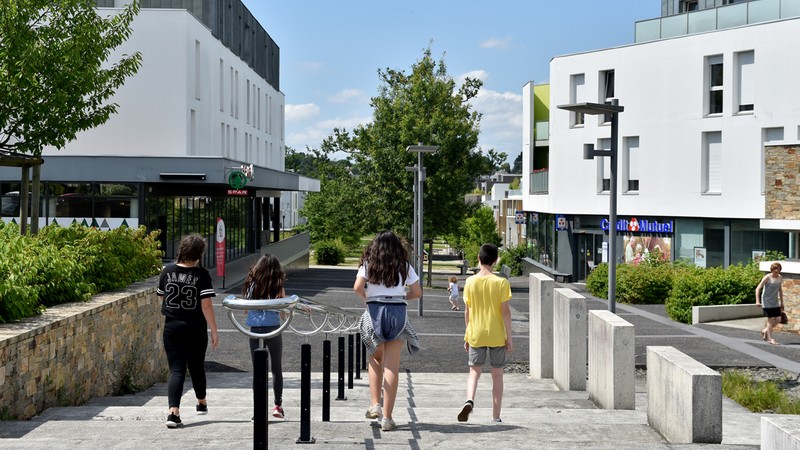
x=539 y=180
x=542 y=131
x=755 y=11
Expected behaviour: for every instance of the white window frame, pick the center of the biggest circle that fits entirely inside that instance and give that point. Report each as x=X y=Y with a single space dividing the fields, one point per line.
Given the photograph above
x=712 y=89
x=745 y=82
x=711 y=164
x=631 y=157
x=577 y=94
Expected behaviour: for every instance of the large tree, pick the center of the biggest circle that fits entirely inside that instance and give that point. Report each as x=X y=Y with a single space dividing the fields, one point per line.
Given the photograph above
x=425 y=107
x=55 y=75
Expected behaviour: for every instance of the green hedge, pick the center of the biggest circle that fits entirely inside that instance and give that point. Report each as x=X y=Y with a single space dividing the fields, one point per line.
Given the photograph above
x=678 y=285
x=330 y=253
x=62 y=265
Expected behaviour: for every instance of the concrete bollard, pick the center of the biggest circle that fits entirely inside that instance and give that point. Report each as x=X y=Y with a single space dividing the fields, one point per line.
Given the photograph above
x=611 y=361
x=684 y=397
x=780 y=433
x=569 y=340
x=541 y=325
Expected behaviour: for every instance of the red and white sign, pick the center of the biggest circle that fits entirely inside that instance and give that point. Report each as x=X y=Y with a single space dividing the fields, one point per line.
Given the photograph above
x=219 y=247
x=239 y=192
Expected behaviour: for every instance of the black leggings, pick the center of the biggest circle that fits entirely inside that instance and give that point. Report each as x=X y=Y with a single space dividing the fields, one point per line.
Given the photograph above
x=185 y=344
x=275 y=348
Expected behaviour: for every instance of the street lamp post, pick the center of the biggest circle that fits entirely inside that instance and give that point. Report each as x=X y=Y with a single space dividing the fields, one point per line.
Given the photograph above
x=419 y=247
x=589 y=152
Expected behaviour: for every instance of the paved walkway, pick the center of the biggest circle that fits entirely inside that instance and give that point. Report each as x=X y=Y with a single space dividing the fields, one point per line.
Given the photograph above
x=430 y=395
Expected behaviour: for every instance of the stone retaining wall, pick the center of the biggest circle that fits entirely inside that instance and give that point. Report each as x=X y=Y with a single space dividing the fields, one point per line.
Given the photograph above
x=78 y=351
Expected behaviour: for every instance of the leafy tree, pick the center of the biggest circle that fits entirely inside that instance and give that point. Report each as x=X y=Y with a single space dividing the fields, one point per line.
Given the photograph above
x=517 y=168
x=424 y=106
x=54 y=80
x=514 y=184
x=478 y=229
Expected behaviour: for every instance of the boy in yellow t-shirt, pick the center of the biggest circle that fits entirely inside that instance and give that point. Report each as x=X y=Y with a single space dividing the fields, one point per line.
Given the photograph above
x=488 y=319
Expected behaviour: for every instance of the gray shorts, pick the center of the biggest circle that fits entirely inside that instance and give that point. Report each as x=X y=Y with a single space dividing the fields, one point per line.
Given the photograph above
x=497 y=356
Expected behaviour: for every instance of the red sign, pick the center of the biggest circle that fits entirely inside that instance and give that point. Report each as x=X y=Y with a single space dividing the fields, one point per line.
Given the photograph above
x=242 y=192
x=219 y=247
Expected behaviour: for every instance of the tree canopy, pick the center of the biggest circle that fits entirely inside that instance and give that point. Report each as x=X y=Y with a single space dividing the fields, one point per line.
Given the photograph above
x=421 y=107
x=54 y=80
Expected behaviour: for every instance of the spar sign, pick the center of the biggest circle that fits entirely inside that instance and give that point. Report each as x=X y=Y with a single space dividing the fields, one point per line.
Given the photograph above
x=219 y=247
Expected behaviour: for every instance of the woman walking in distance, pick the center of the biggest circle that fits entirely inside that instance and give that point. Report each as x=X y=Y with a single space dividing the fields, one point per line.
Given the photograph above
x=185 y=291
x=382 y=279
x=265 y=280
x=771 y=300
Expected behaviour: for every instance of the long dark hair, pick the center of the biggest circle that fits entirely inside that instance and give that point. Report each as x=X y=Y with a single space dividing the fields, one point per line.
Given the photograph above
x=191 y=248
x=266 y=278
x=386 y=260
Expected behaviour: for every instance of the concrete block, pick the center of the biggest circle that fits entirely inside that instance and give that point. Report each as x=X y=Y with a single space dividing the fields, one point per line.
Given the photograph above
x=713 y=313
x=541 y=325
x=780 y=433
x=684 y=397
x=612 y=361
x=569 y=340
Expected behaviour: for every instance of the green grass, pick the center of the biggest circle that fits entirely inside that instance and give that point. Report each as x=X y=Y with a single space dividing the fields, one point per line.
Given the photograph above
x=757 y=396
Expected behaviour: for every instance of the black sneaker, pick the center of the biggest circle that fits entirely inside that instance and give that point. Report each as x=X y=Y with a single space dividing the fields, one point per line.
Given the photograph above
x=174 y=421
x=202 y=409
x=466 y=410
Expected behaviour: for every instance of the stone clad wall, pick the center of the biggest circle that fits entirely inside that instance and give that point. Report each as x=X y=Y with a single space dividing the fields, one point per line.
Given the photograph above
x=78 y=351
x=791 y=301
x=782 y=183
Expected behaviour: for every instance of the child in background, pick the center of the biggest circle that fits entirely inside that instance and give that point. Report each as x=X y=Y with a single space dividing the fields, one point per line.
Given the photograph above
x=265 y=280
x=453 y=290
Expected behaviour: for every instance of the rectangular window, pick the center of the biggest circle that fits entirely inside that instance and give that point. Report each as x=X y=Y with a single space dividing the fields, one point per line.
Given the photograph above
x=577 y=94
x=745 y=68
x=236 y=93
x=714 y=75
x=631 y=163
x=228 y=141
x=197 y=70
x=232 y=94
x=193 y=133
x=712 y=163
x=248 y=103
x=688 y=5
x=222 y=138
x=604 y=166
x=258 y=108
x=221 y=85
x=771 y=136
x=606 y=91
x=235 y=153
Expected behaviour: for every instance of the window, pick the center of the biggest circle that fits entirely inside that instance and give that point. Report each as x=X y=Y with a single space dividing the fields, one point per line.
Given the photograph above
x=197 y=70
x=577 y=95
x=193 y=131
x=232 y=94
x=236 y=95
x=745 y=65
x=221 y=85
x=688 y=5
x=606 y=91
x=712 y=163
x=248 y=103
x=714 y=76
x=604 y=166
x=631 y=163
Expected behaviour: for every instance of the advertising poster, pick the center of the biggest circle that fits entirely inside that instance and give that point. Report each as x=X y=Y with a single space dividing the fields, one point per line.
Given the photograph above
x=700 y=257
x=219 y=247
x=639 y=247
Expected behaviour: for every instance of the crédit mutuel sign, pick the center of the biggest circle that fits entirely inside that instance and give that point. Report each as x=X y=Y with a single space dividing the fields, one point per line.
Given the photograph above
x=635 y=225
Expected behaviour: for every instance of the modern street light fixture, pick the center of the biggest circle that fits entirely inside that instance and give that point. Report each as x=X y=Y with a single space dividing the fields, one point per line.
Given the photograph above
x=600 y=109
x=419 y=179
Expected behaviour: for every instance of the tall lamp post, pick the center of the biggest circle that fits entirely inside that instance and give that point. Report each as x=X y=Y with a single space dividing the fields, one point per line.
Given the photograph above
x=419 y=246
x=613 y=109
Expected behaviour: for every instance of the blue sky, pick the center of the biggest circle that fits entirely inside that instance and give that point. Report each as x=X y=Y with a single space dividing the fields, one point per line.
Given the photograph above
x=331 y=52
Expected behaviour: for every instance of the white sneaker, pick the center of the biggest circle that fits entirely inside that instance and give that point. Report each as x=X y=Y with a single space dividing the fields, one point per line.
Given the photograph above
x=388 y=425
x=373 y=412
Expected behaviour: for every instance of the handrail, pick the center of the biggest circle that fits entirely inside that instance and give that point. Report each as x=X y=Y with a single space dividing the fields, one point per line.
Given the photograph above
x=347 y=320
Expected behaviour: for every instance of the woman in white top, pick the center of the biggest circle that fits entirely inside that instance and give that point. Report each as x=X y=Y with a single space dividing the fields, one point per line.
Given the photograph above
x=382 y=279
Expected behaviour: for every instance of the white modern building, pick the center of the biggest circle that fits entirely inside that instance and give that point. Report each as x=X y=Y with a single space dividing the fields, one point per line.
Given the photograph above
x=205 y=104
x=704 y=92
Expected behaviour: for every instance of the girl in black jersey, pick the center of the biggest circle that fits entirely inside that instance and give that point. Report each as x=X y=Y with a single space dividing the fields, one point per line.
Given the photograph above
x=185 y=291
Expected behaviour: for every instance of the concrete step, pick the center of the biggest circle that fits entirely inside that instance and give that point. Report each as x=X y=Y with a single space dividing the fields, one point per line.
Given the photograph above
x=535 y=415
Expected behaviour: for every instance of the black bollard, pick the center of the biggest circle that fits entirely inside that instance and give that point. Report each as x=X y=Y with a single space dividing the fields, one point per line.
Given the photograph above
x=358 y=356
x=305 y=396
x=349 y=361
x=326 y=380
x=341 y=395
x=260 y=398
x=363 y=356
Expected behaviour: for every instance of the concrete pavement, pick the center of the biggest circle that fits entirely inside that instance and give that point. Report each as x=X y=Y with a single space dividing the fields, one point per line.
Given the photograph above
x=431 y=392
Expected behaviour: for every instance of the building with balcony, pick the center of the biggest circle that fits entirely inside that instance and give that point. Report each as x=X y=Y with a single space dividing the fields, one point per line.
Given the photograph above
x=204 y=107
x=701 y=111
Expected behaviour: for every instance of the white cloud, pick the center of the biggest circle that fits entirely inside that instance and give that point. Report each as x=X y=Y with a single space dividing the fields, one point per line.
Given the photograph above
x=474 y=74
x=497 y=42
x=301 y=112
x=501 y=123
x=313 y=135
x=346 y=95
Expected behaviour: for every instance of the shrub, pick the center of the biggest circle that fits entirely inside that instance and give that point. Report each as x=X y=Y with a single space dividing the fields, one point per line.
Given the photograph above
x=512 y=257
x=597 y=281
x=330 y=253
x=646 y=283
